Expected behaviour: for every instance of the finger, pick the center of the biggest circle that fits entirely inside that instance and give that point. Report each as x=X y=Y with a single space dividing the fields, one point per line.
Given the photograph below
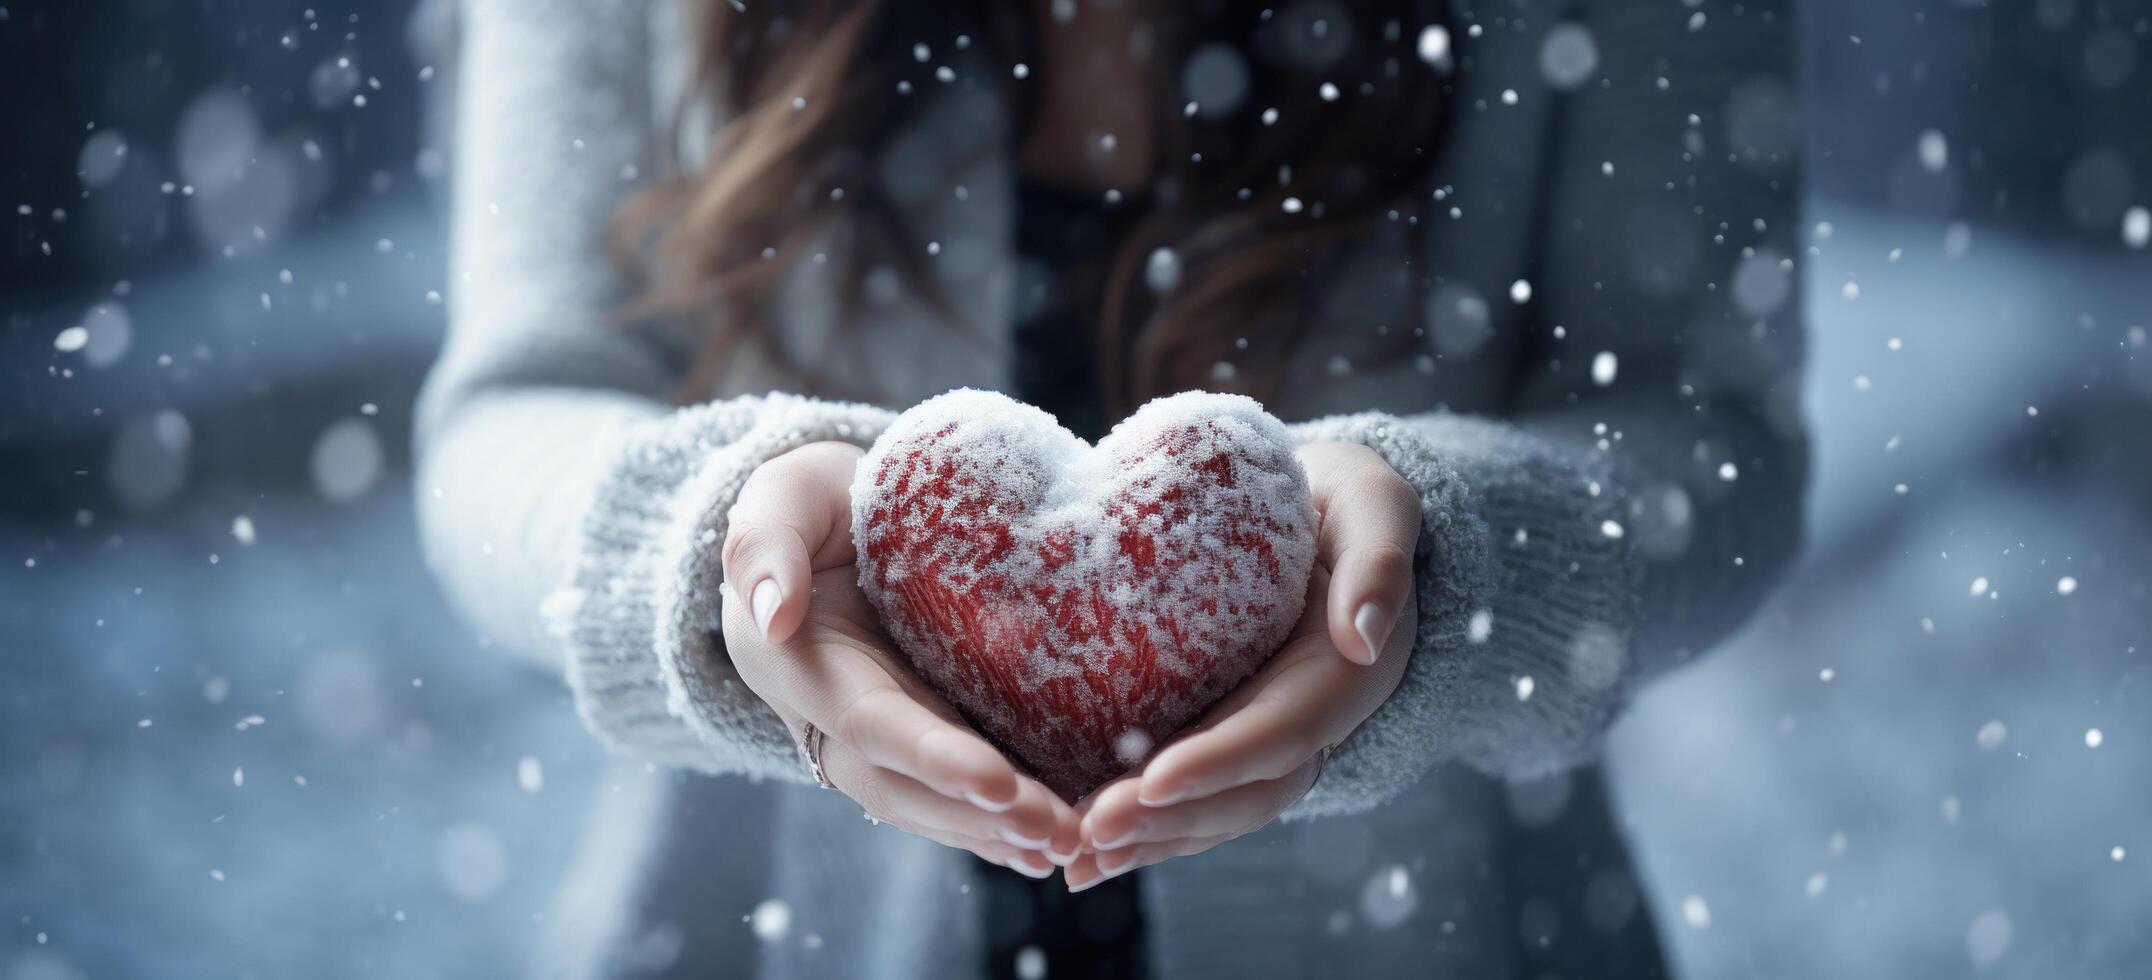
x=1311 y=702
x=855 y=702
x=841 y=688
x=1082 y=873
x=1029 y=863
x=1085 y=802
x=902 y=802
x=792 y=514
x=1370 y=525
x=1067 y=839
x=899 y=799
x=1120 y=821
x=1113 y=797
x=1090 y=869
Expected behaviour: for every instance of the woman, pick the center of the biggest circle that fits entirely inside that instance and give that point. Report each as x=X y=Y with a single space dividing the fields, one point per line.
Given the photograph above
x=1492 y=258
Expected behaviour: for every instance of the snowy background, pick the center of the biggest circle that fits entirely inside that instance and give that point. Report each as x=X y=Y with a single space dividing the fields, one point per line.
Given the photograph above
x=240 y=734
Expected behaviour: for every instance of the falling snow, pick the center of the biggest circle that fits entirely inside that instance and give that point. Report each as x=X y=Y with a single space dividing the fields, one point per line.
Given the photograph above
x=771 y=920
x=1991 y=735
x=530 y=774
x=1434 y=46
x=1480 y=626
x=241 y=277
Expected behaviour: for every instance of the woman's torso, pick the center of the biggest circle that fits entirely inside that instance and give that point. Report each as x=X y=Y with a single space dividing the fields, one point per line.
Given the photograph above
x=1451 y=879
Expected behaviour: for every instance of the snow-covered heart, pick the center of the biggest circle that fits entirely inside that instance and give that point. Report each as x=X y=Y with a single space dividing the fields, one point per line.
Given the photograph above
x=1080 y=604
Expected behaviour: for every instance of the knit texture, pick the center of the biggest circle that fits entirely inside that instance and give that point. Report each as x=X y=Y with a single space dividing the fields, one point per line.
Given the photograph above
x=1453 y=577
x=640 y=619
x=1550 y=603
x=1522 y=636
x=1549 y=651
x=554 y=459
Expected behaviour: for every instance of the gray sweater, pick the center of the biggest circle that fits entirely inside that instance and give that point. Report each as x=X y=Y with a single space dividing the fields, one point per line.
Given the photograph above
x=1610 y=461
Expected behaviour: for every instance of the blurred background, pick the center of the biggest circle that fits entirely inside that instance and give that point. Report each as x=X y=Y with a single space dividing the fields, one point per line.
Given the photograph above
x=243 y=736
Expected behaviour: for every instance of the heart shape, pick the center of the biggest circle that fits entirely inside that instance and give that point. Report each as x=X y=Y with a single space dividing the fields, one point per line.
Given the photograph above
x=1080 y=604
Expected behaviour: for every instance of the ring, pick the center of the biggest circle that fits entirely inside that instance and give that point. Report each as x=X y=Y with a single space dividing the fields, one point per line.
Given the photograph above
x=810 y=746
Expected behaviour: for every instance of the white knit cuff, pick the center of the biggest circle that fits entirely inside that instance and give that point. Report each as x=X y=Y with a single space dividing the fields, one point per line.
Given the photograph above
x=639 y=617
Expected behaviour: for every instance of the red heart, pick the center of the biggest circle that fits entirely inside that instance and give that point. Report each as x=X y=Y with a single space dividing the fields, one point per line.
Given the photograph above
x=1080 y=604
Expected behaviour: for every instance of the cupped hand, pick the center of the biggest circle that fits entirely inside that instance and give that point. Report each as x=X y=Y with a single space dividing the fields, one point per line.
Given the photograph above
x=805 y=640
x=1263 y=745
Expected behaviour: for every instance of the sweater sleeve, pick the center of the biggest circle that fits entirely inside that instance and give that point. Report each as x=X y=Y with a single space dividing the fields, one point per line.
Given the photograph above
x=1645 y=490
x=570 y=511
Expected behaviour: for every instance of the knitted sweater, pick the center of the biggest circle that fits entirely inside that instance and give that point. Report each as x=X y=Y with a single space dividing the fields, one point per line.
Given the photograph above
x=1608 y=455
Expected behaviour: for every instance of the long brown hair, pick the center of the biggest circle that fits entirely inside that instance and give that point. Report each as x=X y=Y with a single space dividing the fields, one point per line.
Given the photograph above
x=810 y=91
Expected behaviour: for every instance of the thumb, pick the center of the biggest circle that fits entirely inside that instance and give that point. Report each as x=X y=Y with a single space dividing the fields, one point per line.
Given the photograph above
x=793 y=515
x=1370 y=525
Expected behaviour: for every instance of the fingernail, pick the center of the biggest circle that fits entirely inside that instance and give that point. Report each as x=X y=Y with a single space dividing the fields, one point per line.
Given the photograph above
x=985 y=804
x=1144 y=797
x=1120 y=860
x=764 y=600
x=1022 y=865
x=1124 y=839
x=1063 y=860
x=1028 y=843
x=1374 y=629
x=1073 y=889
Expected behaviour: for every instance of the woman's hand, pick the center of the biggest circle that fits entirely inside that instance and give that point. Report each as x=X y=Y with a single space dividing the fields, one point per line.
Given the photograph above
x=885 y=739
x=1263 y=745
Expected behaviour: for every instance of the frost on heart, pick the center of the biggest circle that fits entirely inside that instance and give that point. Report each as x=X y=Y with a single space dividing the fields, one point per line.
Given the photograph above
x=1070 y=598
